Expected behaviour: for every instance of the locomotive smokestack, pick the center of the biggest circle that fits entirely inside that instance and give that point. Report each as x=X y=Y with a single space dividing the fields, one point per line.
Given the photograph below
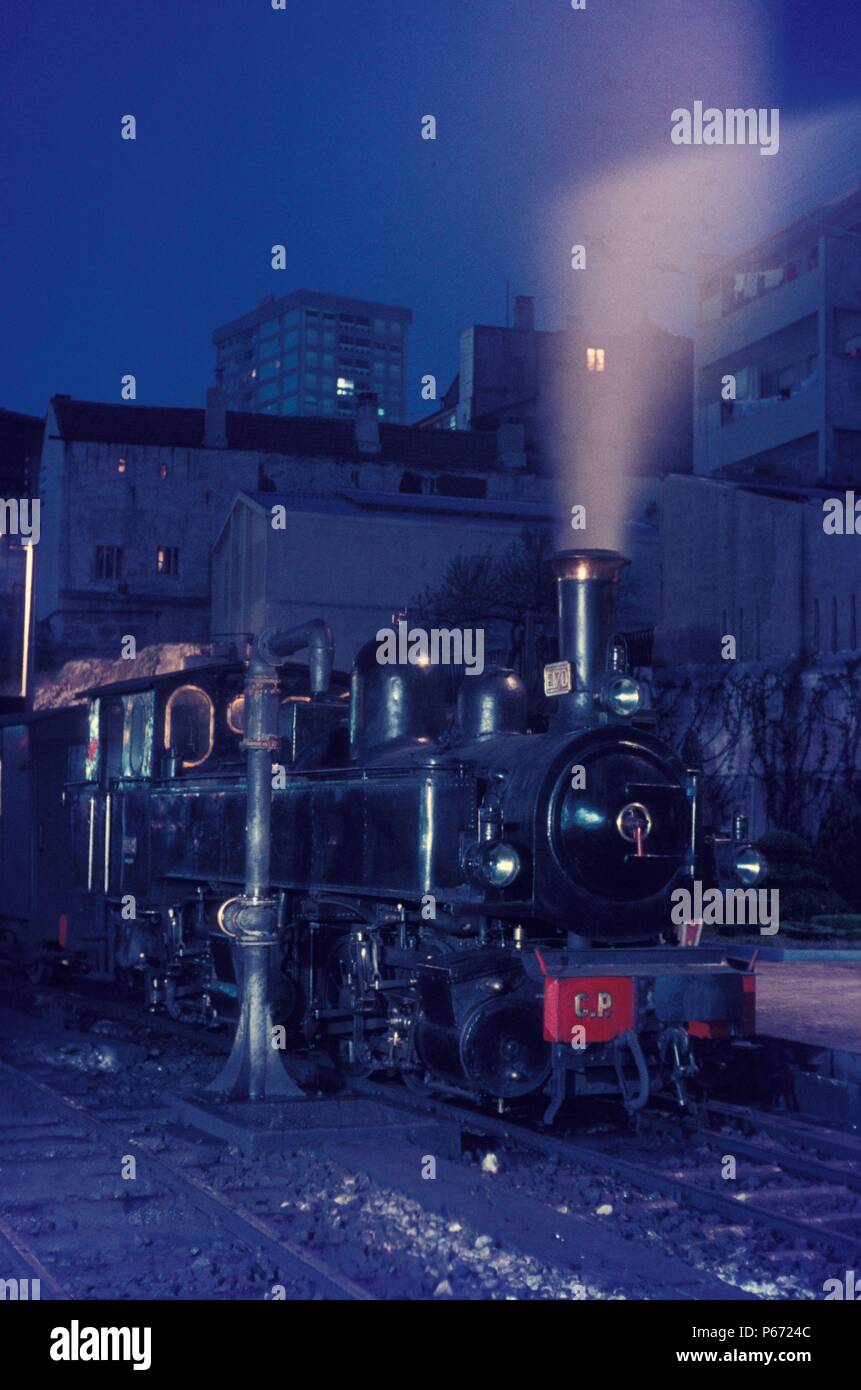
x=586 y=588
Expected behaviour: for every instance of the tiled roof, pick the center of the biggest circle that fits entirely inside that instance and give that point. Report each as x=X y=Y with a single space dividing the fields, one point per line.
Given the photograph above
x=302 y=436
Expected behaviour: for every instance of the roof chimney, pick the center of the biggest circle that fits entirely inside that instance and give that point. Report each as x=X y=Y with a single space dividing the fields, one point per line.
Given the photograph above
x=367 y=423
x=215 y=418
x=524 y=312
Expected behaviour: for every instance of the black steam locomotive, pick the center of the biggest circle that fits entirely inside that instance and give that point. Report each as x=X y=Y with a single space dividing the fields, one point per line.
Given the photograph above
x=482 y=909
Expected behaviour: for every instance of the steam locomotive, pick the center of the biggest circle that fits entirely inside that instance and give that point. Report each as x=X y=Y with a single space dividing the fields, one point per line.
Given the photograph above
x=482 y=909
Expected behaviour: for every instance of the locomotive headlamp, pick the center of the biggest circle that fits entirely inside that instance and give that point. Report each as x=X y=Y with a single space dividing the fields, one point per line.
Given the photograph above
x=495 y=865
x=623 y=696
x=750 y=866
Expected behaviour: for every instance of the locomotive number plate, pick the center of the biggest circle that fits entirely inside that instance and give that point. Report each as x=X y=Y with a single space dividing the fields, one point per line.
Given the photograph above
x=557 y=678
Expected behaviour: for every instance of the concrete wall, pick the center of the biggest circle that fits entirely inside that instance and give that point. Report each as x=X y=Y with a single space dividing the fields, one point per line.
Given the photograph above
x=760 y=568
x=353 y=571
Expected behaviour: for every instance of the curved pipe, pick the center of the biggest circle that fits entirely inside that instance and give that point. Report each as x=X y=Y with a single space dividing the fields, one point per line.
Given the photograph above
x=274 y=645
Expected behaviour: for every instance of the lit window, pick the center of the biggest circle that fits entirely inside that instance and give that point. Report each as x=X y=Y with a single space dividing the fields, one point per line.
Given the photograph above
x=121 y=466
x=346 y=387
x=595 y=359
x=189 y=725
x=236 y=714
x=167 y=560
x=162 y=471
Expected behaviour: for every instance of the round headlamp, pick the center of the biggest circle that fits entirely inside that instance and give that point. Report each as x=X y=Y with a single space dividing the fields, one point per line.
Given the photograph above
x=749 y=866
x=624 y=696
x=496 y=865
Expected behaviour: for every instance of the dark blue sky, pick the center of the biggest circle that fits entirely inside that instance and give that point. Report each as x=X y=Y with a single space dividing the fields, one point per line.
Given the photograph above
x=302 y=127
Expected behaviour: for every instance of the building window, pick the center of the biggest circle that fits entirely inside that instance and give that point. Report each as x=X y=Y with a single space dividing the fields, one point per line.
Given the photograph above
x=167 y=560
x=595 y=359
x=121 y=466
x=109 y=562
x=162 y=471
x=346 y=386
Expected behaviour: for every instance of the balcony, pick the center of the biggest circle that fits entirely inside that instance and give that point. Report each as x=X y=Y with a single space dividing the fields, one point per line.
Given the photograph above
x=730 y=431
x=736 y=323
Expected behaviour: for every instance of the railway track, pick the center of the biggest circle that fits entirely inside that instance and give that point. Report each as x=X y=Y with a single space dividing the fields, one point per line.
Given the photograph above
x=61 y=1188
x=795 y=1179
x=784 y=1185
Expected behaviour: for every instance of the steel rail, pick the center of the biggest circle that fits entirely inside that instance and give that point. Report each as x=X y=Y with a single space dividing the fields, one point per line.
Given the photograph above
x=244 y=1224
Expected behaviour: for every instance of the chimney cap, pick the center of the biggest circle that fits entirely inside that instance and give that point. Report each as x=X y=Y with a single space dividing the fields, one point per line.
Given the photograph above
x=588 y=564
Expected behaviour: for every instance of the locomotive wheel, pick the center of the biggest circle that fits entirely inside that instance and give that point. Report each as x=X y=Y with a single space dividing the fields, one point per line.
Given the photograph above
x=503 y=1052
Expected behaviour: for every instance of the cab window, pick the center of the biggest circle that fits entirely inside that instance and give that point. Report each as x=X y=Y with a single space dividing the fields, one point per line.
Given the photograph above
x=189 y=725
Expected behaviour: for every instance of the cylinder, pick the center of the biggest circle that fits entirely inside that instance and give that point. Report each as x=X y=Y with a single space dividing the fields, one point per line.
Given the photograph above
x=586 y=588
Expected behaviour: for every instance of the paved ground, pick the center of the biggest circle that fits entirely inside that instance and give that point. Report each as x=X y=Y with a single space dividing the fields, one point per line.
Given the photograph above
x=817 y=1002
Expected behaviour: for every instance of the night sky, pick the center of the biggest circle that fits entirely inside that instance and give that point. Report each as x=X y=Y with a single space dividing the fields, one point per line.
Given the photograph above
x=257 y=126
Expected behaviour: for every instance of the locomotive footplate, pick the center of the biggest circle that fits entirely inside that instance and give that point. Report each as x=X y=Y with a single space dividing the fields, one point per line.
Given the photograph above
x=608 y=1013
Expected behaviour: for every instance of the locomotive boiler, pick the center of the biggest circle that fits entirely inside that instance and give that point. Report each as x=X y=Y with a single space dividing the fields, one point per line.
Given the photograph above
x=481 y=909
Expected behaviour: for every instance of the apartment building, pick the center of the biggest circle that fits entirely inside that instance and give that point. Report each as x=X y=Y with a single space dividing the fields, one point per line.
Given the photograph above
x=777 y=354
x=313 y=354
